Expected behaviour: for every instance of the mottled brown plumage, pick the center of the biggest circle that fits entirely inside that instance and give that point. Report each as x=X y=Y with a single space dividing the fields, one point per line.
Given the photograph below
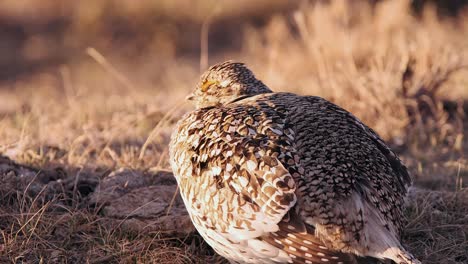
x=280 y=178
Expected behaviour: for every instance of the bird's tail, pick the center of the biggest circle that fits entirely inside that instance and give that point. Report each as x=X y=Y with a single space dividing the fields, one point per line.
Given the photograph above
x=400 y=256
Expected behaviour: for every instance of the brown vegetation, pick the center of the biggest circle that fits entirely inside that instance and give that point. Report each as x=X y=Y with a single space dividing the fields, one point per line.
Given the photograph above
x=102 y=96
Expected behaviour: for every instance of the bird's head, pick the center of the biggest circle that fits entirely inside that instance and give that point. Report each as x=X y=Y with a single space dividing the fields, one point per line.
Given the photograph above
x=225 y=82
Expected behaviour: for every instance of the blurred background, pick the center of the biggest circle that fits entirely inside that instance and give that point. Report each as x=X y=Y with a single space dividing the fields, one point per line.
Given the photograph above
x=39 y=34
x=99 y=85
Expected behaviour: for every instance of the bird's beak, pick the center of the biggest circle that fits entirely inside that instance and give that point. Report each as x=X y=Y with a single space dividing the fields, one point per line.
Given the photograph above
x=190 y=97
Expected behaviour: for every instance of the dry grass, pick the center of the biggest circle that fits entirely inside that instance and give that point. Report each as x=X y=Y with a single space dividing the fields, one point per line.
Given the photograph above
x=405 y=77
x=51 y=232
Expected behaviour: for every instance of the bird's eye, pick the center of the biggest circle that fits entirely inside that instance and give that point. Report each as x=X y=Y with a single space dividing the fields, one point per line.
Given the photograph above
x=206 y=85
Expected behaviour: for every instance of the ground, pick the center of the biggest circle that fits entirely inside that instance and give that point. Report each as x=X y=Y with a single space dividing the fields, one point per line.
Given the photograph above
x=88 y=101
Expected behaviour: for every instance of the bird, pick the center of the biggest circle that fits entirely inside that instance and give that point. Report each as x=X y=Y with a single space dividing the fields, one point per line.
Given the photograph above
x=276 y=177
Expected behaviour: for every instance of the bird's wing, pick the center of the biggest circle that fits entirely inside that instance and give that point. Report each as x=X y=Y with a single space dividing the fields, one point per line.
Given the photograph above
x=235 y=158
x=353 y=186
